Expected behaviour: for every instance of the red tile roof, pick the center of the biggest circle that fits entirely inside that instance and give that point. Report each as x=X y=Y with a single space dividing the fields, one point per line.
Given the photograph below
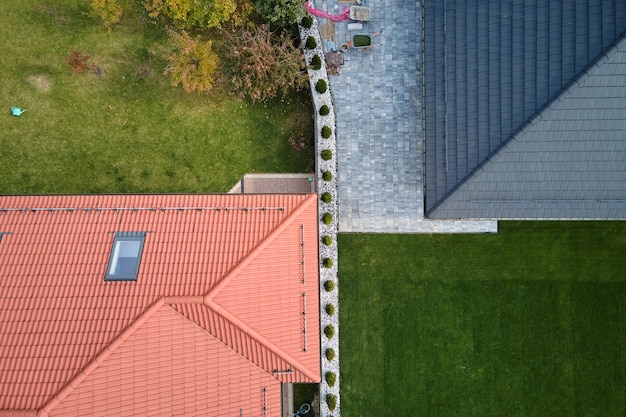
x=225 y=306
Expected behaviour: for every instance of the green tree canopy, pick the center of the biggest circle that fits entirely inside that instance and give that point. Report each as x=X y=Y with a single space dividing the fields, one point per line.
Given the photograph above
x=281 y=13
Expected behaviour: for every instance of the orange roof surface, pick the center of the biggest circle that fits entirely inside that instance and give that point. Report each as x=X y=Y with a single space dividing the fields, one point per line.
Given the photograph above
x=225 y=306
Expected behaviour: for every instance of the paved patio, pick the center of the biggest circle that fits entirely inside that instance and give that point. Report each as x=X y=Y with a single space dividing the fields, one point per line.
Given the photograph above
x=378 y=98
x=378 y=104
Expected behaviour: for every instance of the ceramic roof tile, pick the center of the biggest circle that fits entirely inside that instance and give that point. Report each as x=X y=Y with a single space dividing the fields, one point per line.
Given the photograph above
x=59 y=315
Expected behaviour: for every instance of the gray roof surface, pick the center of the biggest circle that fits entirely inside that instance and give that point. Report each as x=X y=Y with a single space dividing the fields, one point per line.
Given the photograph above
x=491 y=67
x=568 y=162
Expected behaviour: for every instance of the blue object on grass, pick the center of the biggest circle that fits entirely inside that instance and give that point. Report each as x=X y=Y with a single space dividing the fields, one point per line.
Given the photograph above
x=16 y=111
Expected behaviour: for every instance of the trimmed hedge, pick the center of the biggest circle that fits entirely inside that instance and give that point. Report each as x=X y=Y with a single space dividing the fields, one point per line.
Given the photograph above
x=327 y=240
x=329 y=331
x=310 y=43
x=324 y=110
x=327 y=154
x=307 y=21
x=327 y=176
x=331 y=400
x=330 y=309
x=329 y=285
x=327 y=218
x=326 y=132
x=320 y=85
x=331 y=378
x=316 y=62
x=327 y=197
x=327 y=263
x=330 y=354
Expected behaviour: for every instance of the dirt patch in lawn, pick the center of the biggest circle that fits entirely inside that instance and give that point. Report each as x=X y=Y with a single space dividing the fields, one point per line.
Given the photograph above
x=41 y=83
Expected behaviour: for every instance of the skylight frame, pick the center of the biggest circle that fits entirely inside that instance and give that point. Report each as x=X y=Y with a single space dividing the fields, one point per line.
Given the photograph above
x=132 y=243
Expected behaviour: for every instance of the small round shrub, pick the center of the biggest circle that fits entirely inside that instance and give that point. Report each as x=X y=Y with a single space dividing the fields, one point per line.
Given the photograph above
x=331 y=400
x=307 y=21
x=330 y=309
x=330 y=354
x=310 y=43
x=324 y=110
x=316 y=62
x=331 y=378
x=326 y=132
x=329 y=285
x=327 y=263
x=327 y=197
x=327 y=240
x=326 y=154
x=327 y=218
x=327 y=175
x=329 y=331
x=320 y=86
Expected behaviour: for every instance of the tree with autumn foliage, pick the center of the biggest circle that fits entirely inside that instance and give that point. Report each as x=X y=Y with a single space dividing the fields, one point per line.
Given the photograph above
x=261 y=64
x=110 y=11
x=191 y=62
x=190 y=14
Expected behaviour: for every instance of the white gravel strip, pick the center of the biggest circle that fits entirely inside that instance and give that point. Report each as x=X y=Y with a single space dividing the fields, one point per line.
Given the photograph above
x=326 y=274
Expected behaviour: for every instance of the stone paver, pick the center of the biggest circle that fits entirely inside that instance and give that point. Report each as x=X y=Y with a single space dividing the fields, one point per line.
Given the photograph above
x=378 y=104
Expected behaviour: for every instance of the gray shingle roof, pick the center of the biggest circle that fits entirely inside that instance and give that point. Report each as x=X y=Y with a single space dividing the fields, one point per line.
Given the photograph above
x=491 y=67
x=568 y=162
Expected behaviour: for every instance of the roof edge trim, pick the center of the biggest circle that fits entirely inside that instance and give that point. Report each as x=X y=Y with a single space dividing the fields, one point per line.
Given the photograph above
x=100 y=358
x=18 y=413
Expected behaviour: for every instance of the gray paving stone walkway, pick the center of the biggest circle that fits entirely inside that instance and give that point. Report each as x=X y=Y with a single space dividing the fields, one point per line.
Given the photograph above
x=378 y=100
x=378 y=106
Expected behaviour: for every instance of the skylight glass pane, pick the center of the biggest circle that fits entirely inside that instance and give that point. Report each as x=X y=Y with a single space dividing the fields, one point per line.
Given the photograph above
x=125 y=257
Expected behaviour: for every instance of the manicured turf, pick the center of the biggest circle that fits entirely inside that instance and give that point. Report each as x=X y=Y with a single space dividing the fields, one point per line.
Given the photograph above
x=528 y=322
x=124 y=130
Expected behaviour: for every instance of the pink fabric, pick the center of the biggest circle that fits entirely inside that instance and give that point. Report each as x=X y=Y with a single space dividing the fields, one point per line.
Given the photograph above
x=344 y=15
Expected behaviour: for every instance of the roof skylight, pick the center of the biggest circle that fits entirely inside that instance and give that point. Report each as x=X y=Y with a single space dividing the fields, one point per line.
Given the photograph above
x=125 y=256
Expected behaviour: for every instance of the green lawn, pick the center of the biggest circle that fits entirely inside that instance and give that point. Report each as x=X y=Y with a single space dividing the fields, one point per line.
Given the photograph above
x=528 y=322
x=124 y=130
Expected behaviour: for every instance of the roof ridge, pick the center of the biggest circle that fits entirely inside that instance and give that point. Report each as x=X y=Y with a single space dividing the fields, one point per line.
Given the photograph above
x=537 y=116
x=258 y=337
x=104 y=354
x=239 y=324
x=209 y=296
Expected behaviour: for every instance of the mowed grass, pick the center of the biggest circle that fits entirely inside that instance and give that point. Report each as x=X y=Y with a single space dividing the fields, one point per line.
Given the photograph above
x=528 y=322
x=125 y=130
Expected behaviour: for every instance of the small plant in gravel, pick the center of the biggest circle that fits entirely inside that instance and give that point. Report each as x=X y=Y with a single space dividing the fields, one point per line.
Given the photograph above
x=327 y=197
x=330 y=309
x=327 y=176
x=326 y=154
x=321 y=86
x=326 y=132
x=329 y=331
x=327 y=263
x=327 y=218
x=329 y=285
x=324 y=110
x=327 y=240
x=307 y=21
x=310 y=43
x=330 y=354
x=316 y=62
x=331 y=400
x=331 y=378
